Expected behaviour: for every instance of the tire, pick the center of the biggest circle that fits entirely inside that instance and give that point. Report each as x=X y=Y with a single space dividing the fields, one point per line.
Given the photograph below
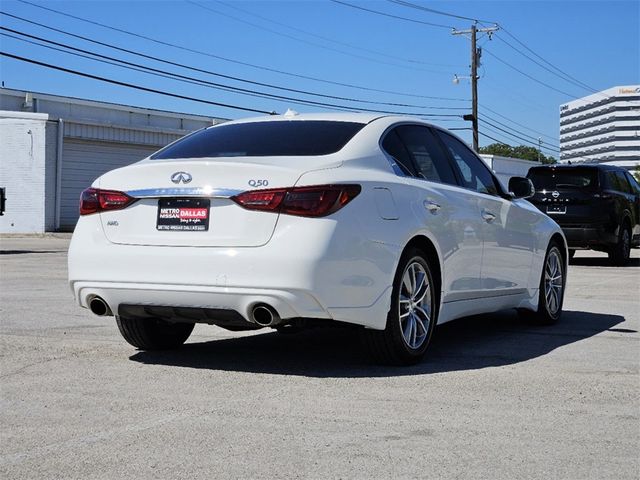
x=552 y=286
x=412 y=316
x=153 y=334
x=620 y=253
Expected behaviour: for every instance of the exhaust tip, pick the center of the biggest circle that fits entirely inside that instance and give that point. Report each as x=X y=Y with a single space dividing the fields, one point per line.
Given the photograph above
x=99 y=307
x=265 y=316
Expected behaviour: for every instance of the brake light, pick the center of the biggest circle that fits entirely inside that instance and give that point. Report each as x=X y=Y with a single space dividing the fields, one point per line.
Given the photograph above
x=94 y=200
x=316 y=201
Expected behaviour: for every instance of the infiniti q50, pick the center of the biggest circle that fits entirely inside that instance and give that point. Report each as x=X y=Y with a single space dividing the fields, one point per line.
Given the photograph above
x=386 y=223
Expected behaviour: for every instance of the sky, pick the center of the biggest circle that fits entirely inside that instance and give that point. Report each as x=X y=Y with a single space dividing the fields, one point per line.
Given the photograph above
x=339 y=54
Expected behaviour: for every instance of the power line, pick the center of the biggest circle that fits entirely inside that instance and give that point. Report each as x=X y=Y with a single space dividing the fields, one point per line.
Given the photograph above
x=217 y=74
x=555 y=140
x=527 y=75
x=307 y=42
x=238 y=62
x=494 y=127
x=495 y=139
x=131 y=85
x=377 y=12
x=193 y=80
x=510 y=127
x=547 y=62
x=326 y=39
x=563 y=76
x=437 y=12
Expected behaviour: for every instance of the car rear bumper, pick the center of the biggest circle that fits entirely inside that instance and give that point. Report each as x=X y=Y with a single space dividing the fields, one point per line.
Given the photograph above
x=338 y=279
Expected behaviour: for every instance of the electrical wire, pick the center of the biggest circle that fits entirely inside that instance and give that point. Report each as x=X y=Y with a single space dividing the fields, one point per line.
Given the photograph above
x=494 y=127
x=192 y=80
x=494 y=139
x=484 y=107
x=527 y=75
x=238 y=62
x=437 y=12
x=510 y=127
x=131 y=85
x=562 y=76
x=377 y=12
x=584 y=85
x=326 y=39
x=308 y=42
x=223 y=86
x=158 y=59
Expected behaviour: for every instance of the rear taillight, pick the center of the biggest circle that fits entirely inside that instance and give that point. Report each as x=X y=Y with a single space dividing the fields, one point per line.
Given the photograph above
x=94 y=200
x=316 y=201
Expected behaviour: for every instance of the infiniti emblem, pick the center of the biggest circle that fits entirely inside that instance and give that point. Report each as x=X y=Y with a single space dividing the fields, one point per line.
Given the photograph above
x=179 y=177
x=554 y=194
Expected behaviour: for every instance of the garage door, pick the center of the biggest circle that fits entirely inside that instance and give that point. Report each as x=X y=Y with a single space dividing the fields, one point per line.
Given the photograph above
x=83 y=162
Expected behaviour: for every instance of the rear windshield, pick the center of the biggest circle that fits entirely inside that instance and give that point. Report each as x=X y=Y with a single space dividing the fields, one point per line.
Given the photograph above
x=262 y=139
x=553 y=178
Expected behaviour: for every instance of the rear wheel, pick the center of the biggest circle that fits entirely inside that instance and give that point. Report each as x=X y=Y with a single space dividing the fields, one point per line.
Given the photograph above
x=412 y=316
x=552 y=283
x=620 y=253
x=153 y=334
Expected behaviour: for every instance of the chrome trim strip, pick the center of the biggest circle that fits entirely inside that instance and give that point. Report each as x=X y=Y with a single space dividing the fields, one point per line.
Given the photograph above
x=184 y=192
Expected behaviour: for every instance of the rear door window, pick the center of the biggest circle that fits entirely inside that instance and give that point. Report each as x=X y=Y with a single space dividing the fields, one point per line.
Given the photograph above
x=428 y=157
x=475 y=174
x=394 y=147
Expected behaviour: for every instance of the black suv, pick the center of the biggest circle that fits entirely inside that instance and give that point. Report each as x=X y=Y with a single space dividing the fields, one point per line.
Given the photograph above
x=597 y=206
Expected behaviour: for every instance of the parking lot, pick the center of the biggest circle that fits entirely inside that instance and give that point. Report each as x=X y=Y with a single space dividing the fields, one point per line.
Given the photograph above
x=495 y=398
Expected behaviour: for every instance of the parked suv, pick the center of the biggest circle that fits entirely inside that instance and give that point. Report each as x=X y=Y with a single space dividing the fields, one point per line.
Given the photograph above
x=597 y=206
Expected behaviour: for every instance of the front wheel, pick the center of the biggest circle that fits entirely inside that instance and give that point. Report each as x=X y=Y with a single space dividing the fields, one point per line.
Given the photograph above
x=552 y=285
x=153 y=334
x=412 y=316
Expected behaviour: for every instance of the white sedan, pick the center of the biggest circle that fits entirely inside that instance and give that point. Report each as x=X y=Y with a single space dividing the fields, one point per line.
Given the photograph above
x=386 y=223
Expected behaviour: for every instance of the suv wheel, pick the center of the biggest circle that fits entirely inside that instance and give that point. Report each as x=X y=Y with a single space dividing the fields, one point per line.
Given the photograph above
x=619 y=254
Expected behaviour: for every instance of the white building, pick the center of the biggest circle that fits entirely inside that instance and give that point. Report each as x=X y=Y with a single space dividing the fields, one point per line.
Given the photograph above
x=52 y=148
x=603 y=128
x=507 y=167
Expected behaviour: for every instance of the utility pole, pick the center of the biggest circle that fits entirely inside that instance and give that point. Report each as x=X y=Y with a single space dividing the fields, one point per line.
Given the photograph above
x=539 y=147
x=475 y=62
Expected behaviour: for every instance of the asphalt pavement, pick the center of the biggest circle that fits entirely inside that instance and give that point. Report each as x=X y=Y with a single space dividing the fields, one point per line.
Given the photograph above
x=496 y=398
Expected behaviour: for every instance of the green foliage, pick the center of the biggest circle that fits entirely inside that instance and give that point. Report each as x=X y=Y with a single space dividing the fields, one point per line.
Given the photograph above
x=521 y=151
x=636 y=172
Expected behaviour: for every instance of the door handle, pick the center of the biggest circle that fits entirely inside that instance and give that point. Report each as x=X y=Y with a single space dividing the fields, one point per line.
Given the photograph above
x=488 y=216
x=432 y=206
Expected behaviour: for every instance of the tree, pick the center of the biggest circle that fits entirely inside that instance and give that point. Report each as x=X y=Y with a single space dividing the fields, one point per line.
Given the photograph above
x=521 y=151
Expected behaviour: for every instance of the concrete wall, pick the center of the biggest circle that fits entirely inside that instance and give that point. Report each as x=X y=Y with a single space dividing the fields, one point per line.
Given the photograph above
x=22 y=171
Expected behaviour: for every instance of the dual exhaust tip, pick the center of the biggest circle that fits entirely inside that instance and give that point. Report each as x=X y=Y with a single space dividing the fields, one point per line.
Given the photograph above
x=261 y=314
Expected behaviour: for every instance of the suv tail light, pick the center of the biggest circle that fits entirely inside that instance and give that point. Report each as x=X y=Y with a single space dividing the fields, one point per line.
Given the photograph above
x=316 y=201
x=94 y=200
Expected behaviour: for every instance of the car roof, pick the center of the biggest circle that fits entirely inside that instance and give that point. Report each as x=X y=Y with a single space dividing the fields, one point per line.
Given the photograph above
x=599 y=166
x=357 y=117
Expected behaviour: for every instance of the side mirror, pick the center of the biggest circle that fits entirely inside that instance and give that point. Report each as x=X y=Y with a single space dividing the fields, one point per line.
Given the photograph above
x=521 y=187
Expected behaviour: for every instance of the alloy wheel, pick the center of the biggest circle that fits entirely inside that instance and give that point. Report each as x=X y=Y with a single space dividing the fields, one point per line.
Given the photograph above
x=415 y=305
x=553 y=282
